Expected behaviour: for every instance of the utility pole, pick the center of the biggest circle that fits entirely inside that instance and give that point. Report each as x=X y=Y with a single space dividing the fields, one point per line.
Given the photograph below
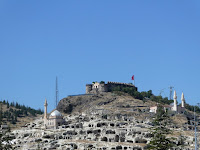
x=56 y=92
x=161 y=91
x=170 y=94
x=197 y=124
x=195 y=130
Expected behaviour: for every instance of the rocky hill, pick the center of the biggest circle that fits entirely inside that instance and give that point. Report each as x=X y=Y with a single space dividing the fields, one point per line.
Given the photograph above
x=104 y=121
x=115 y=104
x=107 y=103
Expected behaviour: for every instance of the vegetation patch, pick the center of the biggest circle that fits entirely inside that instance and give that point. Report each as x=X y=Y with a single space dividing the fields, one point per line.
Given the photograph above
x=10 y=112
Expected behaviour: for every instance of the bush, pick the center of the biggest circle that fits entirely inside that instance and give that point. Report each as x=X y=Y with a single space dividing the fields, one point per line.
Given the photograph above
x=191 y=108
x=141 y=95
x=102 y=82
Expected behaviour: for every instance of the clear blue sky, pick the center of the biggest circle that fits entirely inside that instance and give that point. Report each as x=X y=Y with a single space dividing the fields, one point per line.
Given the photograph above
x=84 y=41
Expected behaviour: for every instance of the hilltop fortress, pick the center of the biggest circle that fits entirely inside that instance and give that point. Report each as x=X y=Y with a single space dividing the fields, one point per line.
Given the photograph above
x=104 y=121
x=97 y=87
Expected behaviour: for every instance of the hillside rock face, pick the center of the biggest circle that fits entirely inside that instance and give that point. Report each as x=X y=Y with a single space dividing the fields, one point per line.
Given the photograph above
x=80 y=103
x=95 y=122
x=107 y=103
x=85 y=132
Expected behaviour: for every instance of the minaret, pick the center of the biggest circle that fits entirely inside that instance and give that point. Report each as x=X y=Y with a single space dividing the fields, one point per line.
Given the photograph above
x=182 y=100
x=45 y=109
x=175 y=101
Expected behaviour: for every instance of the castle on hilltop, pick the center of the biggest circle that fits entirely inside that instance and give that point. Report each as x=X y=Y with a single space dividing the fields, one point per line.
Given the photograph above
x=101 y=87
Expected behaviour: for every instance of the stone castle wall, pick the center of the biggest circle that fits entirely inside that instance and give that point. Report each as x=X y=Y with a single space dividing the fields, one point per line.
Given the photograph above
x=88 y=88
x=112 y=85
x=96 y=87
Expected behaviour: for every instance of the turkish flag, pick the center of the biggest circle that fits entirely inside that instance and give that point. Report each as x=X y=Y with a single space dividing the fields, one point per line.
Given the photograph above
x=133 y=77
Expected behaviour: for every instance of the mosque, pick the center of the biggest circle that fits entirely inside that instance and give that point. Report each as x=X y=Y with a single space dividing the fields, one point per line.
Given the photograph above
x=173 y=107
x=55 y=118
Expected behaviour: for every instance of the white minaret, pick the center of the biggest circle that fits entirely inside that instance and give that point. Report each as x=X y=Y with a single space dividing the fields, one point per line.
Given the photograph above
x=45 y=109
x=175 y=101
x=182 y=100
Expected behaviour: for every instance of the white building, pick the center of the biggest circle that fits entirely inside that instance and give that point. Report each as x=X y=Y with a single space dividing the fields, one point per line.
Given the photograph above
x=55 y=118
x=166 y=108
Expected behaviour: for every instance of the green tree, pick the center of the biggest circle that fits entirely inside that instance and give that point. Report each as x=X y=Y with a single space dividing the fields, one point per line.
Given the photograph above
x=12 y=104
x=149 y=93
x=7 y=104
x=160 y=131
x=138 y=95
x=4 y=102
x=102 y=82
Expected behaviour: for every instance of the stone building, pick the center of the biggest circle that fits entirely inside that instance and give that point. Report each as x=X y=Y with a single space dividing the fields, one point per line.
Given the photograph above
x=55 y=118
x=97 y=87
x=166 y=108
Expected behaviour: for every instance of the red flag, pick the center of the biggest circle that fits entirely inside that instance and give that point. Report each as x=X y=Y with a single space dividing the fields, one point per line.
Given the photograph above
x=133 y=77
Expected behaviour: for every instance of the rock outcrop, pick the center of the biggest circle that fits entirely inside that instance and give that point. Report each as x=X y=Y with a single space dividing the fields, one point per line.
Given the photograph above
x=85 y=131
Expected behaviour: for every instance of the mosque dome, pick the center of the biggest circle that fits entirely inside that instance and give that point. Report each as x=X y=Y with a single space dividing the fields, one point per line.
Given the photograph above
x=55 y=113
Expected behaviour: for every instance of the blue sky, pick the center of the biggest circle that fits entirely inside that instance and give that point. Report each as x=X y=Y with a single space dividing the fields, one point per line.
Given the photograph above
x=85 y=41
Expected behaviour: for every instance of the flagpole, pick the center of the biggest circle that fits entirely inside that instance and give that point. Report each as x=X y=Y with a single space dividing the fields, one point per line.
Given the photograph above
x=133 y=78
x=195 y=130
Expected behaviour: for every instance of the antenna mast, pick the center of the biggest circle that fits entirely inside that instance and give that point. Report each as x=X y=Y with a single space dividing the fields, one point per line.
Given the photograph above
x=196 y=134
x=195 y=129
x=56 y=92
x=161 y=91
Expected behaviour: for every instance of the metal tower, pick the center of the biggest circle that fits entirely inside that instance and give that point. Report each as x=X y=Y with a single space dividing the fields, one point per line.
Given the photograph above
x=161 y=91
x=170 y=94
x=56 y=92
x=195 y=130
